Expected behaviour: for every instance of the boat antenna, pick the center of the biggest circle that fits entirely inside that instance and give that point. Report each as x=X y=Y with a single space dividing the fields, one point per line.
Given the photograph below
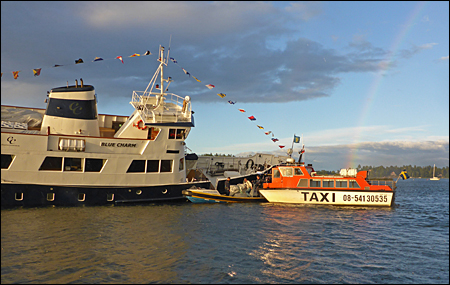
x=168 y=51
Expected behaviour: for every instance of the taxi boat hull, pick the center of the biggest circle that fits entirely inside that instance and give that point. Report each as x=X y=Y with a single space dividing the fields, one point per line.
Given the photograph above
x=329 y=197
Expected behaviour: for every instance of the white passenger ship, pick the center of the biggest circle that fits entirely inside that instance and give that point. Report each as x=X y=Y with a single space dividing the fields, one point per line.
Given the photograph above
x=73 y=156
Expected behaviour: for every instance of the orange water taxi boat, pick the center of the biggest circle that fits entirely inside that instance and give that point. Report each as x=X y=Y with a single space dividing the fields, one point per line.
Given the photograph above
x=299 y=184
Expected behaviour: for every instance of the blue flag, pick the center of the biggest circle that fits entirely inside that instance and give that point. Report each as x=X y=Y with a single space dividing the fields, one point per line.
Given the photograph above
x=296 y=139
x=404 y=175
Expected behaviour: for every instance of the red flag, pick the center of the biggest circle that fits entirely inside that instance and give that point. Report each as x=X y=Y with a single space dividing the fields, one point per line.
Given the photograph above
x=281 y=146
x=252 y=118
x=37 y=71
x=119 y=57
x=242 y=110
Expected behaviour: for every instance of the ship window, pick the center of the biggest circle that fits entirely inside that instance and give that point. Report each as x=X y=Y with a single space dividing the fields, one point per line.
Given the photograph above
x=51 y=163
x=314 y=183
x=172 y=151
x=353 y=184
x=19 y=196
x=93 y=164
x=6 y=160
x=286 y=171
x=180 y=133
x=328 y=183
x=172 y=134
x=276 y=173
x=110 y=197
x=298 y=171
x=137 y=166
x=302 y=183
x=181 y=167
x=341 y=183
x=76 y=109
x=166 y=165
x=81 y=196
x=152 y=165
x=50 y=196
x=153 y=133
x=72 y=164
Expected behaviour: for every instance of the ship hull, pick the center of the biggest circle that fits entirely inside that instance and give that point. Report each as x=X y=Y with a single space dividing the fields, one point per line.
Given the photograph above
x=29 y=195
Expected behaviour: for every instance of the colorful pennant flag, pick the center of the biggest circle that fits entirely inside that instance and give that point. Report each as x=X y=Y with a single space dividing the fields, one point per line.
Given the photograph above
x=186 y=72
x=210 y=86
x=261 y=127
x=296 y=139
x=231 y=102
x=79 y=61
x=57 y=65
x=281 y=146
x=274 y=139
x=119 y=57
x=404 y=175
x=195 y=78
x=173 y=60
x=268 y=133
x=37 y=71
x=241 y=110
x=15 y=74
x=147 y=53
x=97 y=59
x=221 y=95
x=133 y=55
x=252 y=118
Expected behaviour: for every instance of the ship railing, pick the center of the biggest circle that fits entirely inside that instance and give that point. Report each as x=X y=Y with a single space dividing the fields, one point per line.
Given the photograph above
x=385 y=182
x=155 y=108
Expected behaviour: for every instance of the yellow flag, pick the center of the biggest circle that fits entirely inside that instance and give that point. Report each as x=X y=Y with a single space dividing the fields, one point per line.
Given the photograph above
x=221 y=95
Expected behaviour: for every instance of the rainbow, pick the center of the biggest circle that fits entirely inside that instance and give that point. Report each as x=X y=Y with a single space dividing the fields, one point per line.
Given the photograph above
x=377 y=81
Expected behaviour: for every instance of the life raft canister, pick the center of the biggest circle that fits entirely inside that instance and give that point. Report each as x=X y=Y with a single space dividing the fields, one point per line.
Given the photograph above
x=138 y=125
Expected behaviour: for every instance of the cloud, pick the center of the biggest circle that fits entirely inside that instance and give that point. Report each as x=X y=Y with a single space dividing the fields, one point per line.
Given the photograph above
x=408 y=53
x=444 y=58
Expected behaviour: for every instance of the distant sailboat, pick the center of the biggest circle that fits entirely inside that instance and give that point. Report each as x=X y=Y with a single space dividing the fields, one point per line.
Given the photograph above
x=434 y=177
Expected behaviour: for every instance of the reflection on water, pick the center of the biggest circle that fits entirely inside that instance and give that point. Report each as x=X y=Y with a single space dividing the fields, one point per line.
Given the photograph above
x=232 y=243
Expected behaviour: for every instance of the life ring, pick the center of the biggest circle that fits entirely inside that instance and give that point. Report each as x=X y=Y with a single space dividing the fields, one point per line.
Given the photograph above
x=144 y=127
x=252 y=163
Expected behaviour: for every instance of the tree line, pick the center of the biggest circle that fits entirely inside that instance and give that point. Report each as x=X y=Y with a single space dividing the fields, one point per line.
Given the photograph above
x=394 y=171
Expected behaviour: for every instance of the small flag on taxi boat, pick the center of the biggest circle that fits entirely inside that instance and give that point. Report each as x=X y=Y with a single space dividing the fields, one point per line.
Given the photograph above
x=261 y=127
x=221 y=95
x=252 y=118
x=404 y=175
x=119 y=57
x=210 y=86
x=37 y=71
x=79 y=61
x=296 y=139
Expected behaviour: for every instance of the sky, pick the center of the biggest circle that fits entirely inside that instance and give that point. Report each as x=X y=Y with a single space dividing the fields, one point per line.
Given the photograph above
x=363 y=83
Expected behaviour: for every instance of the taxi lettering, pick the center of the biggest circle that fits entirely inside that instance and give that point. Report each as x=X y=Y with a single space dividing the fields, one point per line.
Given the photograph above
x=313 y=197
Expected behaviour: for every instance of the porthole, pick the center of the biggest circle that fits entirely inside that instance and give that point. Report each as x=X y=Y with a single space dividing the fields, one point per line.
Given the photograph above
x=19 y=196
x=50 y=196
x=139 y=192
x=81 y=196
x=110 y=197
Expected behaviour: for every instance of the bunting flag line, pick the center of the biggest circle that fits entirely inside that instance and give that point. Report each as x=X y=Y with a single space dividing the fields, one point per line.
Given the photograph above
x=221 y=95
x=274 y=139
x=15 y=74
x=119 y=57
x=147 y=53
x=241 y=110
x=231 y=102
x=268 y=133
x=210 y=86
x=261 y=127
x=173 y=60
x=57 y=65
x=195 y=78
x=281 y=146
x=252 y=118
x=37 y=71
x=133 y=55
x=186 y=72
x=79 y=61
x=97 y=59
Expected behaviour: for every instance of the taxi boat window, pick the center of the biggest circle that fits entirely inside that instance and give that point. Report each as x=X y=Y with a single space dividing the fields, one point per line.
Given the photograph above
x=298 y=171
x=353 y=184
x=314 y=183
x=287 y=171
x=276 y=173
x=329 y=183
x=302 y=183
x=341 y=184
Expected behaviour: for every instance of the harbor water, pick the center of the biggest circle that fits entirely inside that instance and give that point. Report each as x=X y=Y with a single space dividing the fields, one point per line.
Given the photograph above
x=232 y=243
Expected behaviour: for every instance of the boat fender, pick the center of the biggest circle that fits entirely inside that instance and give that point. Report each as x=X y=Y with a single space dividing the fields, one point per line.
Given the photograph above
x=251 y=164
x=138 y=125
